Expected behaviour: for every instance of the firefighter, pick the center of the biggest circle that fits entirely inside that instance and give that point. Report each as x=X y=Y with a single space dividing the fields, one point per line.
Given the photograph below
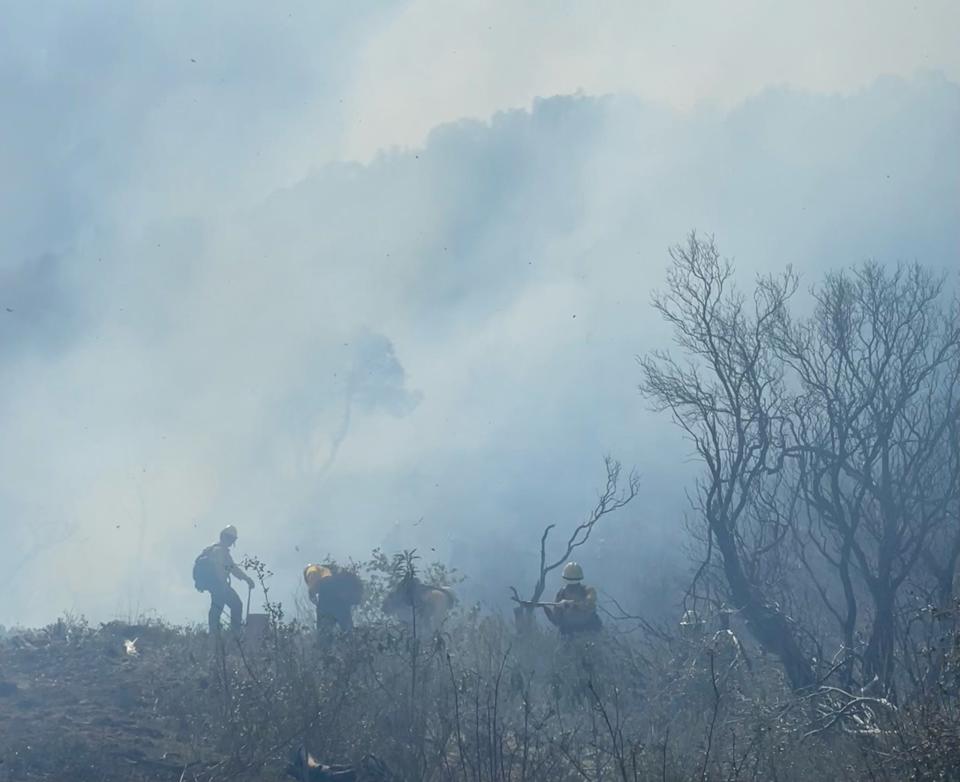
x=415 y=603
x=211 y=573
x=334 y=591
x=574 y=610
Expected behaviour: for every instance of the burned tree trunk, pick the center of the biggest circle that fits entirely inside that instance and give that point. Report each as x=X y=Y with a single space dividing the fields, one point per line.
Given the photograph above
x=767 y=624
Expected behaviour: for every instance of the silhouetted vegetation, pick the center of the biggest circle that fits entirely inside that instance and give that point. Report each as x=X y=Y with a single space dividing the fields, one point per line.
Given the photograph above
x=472 y=701
x=829 y=503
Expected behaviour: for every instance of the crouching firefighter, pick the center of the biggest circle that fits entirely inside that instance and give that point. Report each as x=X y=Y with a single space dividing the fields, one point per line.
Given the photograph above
x=575 y=608
x=211 y=573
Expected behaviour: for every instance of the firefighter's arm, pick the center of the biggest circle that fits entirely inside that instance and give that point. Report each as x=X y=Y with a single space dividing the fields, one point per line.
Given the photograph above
x=242 y=576
x=234 y=570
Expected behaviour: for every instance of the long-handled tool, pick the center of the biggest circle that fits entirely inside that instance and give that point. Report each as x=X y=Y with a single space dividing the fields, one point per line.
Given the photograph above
x=249 y=592
x=530 y=603
x=534 y=604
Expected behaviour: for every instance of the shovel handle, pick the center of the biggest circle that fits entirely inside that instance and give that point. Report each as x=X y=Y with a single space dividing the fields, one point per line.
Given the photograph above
x=249 y=592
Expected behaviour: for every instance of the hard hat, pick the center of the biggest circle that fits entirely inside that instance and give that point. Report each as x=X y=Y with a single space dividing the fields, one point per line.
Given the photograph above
x=312 y=574
x=228 y=533
x=572 y=572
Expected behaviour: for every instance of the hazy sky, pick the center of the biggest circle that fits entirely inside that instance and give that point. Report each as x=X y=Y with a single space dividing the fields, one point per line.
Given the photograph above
x=365 y=274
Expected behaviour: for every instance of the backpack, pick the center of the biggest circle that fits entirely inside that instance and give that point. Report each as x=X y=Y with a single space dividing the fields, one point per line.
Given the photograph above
x=204 y=575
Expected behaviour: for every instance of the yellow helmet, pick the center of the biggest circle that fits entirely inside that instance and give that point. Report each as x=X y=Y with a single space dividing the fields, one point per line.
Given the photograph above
x=313 y=574
x=572 y=572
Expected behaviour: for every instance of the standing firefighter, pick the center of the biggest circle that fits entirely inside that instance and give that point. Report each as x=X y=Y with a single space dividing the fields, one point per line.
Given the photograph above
x=575 y=608
x=334 y=591
x=211 y=573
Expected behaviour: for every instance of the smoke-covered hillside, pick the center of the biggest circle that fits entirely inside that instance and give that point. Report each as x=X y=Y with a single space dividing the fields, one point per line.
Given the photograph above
x=417 y=391
x=430 y=351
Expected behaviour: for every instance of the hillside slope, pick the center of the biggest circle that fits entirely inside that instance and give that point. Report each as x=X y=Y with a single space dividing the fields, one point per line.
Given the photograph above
x=74 y=704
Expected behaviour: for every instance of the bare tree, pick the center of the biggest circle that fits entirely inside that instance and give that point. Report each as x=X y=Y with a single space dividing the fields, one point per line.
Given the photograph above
x=877 y=368
x=830 y=447
x=611 y=499
x=728 y=396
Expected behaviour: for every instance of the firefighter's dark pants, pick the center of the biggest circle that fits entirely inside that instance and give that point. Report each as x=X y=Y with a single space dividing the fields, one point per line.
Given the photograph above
x=225 y=595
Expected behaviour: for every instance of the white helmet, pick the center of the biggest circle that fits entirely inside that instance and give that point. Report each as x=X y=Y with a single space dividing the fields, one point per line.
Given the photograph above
x=228 y=534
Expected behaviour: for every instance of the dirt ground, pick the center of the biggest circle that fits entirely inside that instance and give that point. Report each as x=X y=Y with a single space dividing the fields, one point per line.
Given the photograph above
x=83 y=708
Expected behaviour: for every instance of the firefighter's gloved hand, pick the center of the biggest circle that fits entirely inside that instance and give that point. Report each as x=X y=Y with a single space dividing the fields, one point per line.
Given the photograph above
x=250 y=582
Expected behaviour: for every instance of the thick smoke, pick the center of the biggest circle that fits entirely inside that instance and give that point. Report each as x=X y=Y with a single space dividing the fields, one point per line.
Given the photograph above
x=433 y=350
x=376 y=381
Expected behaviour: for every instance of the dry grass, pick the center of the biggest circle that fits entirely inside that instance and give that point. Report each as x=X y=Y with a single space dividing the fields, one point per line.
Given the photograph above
x=472 y=702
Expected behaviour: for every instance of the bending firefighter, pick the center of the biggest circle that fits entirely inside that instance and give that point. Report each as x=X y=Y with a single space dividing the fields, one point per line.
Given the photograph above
x=211 y=573
x=334 y=591
x=575 y=608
